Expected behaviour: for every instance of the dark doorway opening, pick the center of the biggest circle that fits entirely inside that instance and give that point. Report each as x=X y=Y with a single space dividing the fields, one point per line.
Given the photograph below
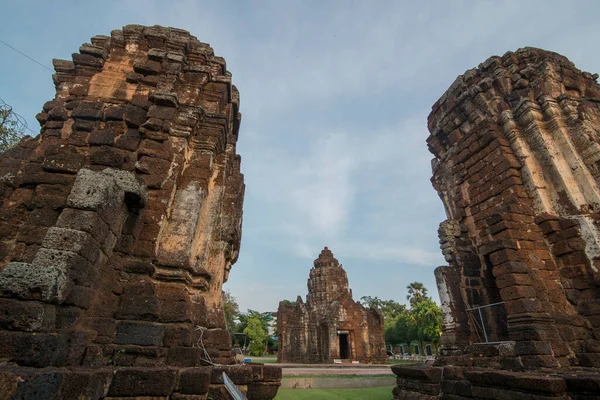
x=344 y=353
x=493 y=318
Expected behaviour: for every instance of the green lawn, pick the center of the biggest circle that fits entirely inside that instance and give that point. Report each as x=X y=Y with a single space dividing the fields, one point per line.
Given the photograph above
x=406 y=362
x=379 y=393
x=268 y=360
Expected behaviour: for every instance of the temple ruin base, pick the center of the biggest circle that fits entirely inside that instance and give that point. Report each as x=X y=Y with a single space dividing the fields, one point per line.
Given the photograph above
x=426 y=382
x=196 y=383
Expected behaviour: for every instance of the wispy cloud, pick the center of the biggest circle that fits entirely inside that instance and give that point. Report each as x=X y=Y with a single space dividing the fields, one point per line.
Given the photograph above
x=392 y=252
x=352 y=189
x=322 y=189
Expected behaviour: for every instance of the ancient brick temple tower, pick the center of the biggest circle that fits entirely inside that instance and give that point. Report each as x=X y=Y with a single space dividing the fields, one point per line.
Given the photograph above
x=119 y=225
x=517 y=165
x=331 y=325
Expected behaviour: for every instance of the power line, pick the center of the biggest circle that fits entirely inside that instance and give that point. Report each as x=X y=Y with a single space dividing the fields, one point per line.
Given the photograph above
x=25 y=55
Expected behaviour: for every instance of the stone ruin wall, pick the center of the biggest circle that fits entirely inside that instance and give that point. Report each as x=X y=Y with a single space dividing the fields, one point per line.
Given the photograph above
x=517 y=165
x=119 y=225
x=308 y=331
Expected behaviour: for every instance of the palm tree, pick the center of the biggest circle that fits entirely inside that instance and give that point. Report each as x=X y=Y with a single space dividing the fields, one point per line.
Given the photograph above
x=416 y=293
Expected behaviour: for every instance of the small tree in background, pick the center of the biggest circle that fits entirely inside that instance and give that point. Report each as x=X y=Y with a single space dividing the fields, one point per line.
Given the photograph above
x=231 y=309
x=257 y=336
x=12 y=127
x=263 y=317
x=416 y=293
x=390 y=309
x=421 y=323
x=425 y=318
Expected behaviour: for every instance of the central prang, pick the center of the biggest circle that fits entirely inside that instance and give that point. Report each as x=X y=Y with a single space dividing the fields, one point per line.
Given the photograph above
x=330 y=326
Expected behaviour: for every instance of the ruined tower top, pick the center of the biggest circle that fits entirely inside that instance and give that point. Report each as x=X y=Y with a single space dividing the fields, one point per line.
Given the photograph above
x=328 y=281
x=501 y=85
x=326 y=259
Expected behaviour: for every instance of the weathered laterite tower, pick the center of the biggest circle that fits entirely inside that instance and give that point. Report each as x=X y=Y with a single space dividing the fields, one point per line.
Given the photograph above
x=119 y=225
x=517 y=165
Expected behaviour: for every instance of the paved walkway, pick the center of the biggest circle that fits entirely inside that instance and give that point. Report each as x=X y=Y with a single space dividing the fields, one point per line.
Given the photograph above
x=328 y=369
x=334 y=369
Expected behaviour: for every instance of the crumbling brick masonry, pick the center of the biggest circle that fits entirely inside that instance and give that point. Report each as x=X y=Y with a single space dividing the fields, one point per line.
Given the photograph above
x=119 y=225
x=517 y=165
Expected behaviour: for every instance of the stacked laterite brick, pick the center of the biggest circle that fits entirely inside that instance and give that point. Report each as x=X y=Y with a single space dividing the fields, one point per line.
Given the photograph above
x=119 y=225
x=309 y=332
x=517 y=166
x=458 y=383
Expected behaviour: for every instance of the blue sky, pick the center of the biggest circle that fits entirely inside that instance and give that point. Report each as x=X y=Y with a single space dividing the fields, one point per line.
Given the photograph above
x=334 y=97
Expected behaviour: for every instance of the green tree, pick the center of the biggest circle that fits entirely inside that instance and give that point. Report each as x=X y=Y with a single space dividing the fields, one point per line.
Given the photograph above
x=398 y=331
x=395 y=316
x=264 y=318
x=416 y=293
x=267 y=319
x=12 y=127
x=425 y=318
x=390 y=309
x=257 y=336
x=232 y=310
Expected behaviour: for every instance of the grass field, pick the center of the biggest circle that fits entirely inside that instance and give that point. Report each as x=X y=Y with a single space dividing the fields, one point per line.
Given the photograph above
x=379 y=393
x=406 y=362
x=268 y=359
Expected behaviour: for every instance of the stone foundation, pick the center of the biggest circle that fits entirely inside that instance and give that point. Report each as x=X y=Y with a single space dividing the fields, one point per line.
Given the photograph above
x=196 y=383
x=457 y=383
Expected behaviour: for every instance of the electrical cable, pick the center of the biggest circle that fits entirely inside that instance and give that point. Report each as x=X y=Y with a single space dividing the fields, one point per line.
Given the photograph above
x=25 y=55
x=200 y=344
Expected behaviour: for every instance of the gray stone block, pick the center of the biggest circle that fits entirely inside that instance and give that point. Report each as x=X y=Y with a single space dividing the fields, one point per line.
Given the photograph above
x=129 y=183
x=33 y=281
x=140 y=333
x=93 y=190
x=87 y=221
x=75 y=267
x=72 y=240
x=28 y=316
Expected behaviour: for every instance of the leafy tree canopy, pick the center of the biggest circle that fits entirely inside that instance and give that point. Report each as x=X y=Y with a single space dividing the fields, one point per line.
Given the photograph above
x=232 y=310
x=416 y=292
x=257 y=335
x=12 y=127
x=390 y=309
x=421 y=323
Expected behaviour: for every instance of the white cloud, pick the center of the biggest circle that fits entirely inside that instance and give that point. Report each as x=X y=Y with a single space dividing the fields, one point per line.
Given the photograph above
x=356 y=190
x=322 y=189
x=392 y=252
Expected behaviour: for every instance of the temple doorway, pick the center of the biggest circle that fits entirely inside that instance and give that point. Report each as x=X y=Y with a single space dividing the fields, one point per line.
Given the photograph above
x=344 y=348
